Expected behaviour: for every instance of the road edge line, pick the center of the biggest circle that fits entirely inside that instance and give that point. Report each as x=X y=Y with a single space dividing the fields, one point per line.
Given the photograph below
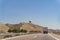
x=53 y=37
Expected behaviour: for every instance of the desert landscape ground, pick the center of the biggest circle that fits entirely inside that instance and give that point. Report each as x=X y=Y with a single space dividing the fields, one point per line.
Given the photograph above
x=12 y=30
x=30 y=19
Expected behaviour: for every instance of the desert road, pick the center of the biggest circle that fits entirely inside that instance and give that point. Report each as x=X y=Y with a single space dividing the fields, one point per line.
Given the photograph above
x=34 y=37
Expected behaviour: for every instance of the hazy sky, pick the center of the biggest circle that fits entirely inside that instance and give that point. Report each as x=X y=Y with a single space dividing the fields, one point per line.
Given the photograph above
x=41 y=12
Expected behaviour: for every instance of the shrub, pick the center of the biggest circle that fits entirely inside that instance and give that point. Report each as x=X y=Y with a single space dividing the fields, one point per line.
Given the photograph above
x=17 y=31
x=22 y=30
x=7 y=36
x=9 y=30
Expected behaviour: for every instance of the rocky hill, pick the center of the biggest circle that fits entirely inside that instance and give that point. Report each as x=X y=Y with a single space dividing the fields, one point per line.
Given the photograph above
x=3 y=28
x=26 y=26
x=31 y=27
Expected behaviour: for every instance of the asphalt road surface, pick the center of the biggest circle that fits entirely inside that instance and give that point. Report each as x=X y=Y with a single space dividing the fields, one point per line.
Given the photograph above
x=33 y=37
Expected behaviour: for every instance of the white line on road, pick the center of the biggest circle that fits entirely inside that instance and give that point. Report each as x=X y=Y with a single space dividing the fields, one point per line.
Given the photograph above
x=53 y=37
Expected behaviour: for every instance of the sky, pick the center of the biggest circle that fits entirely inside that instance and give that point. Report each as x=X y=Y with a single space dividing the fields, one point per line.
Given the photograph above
x=41 y=12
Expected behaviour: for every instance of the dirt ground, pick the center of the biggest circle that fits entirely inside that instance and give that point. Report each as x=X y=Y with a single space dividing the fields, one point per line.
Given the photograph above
x=1 y=37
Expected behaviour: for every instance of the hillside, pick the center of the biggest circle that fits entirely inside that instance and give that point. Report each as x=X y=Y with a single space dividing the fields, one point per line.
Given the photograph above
x=26 y=26
x=55 y=31
x=31 y=27
x=3 y=28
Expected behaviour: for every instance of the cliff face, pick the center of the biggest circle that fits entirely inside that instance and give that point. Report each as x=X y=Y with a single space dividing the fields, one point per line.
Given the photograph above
x=3 y=28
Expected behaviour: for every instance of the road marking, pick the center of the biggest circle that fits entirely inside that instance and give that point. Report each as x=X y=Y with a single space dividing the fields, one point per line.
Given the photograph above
x=53 y=37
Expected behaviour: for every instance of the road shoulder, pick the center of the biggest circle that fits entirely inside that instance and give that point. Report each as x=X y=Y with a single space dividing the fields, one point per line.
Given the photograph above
x=54 y=36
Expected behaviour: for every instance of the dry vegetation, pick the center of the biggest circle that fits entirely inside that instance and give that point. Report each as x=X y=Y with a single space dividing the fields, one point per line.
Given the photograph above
x=56 y=31
x=29 y=27
x=21 y=27
x=25 y=26
x=3 y=28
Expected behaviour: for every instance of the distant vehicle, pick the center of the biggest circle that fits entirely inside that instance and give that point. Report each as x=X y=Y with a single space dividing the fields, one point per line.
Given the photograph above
x=45 y=30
